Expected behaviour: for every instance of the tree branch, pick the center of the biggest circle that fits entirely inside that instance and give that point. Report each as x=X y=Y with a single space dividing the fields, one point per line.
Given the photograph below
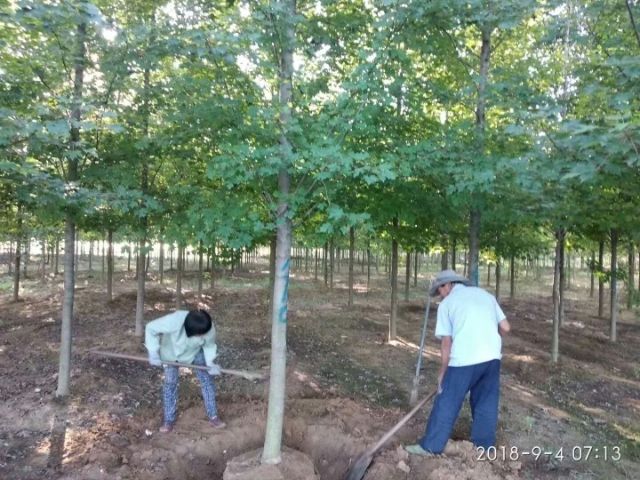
x=633 y=22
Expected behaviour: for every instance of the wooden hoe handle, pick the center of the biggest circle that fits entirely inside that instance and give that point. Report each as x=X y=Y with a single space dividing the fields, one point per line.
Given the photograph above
x=239 y=373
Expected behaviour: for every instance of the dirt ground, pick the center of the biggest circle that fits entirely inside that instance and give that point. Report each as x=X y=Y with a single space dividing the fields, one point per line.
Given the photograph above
x=346 y=386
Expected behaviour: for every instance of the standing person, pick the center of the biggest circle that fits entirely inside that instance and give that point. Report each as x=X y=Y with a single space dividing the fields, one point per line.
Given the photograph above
x=470 y=325
x=185 y=337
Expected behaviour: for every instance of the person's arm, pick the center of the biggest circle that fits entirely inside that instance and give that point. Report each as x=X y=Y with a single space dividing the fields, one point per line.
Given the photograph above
x=153 y=330
x=504 y=327
x=445 y=353
x=210 y=348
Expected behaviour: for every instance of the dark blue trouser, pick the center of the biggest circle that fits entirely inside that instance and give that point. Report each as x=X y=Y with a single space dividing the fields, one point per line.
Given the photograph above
x=483 y=381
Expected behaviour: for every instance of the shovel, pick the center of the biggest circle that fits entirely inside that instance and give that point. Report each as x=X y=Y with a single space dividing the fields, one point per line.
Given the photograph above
x=361 y=464
x=239 y=373
x=416 y=380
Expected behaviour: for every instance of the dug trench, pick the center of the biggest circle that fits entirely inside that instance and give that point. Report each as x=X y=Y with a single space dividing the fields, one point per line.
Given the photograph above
x=329 y=432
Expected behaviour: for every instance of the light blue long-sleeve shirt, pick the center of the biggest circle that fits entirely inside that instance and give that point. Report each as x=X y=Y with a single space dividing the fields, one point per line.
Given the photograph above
x=167 y=337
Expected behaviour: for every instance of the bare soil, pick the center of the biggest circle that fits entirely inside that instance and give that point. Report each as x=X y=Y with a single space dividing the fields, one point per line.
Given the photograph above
x=346 y=386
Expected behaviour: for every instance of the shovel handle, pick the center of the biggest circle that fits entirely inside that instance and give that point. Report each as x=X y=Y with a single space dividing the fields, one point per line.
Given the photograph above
x=239 y=373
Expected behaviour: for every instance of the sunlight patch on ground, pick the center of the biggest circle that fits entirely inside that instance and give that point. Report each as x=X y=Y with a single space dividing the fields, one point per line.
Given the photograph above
x=520 y=358
x=625 y=432
x=632 y=403
x=306 y=379
x=531 y=398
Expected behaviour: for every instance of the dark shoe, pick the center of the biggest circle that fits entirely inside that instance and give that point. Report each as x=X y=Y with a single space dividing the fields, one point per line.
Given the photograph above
x=166 y=427
x=216 y=422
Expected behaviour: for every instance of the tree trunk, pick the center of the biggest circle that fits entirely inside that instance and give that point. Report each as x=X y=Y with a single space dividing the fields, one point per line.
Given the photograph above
x=613 y=307
x=315 y=271
x=90 y=256
x=592 y=277
x=43 y=260
x=179 y=272
x=17 y=259
x=512 y=277
x=474 y=246
x=272 y=266
x=498 y=278
x=563 y=280
x=352 y=241
x=416 y=258
x=109 y=265
x=394 y=282
x=557 y=293
x=632 y=276
x=444 y=259
x=601 y=279
x=475 y=214
x=141 y=277
x=407 y=276
x=200 y=267
x=368 y=264
x=454 y=245
x=56 y=270
x=27 y=253
x=325 y=264
x=161 y=263
x=277 y=384
x=214 y=260
x=64 y=370
x=332 y=260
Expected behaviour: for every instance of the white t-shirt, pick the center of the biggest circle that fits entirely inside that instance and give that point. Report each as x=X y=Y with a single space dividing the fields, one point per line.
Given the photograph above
x=470 y=316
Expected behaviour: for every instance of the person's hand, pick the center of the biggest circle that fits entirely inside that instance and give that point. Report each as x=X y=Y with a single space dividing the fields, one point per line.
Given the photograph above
x=154 y=359
x=214 y=369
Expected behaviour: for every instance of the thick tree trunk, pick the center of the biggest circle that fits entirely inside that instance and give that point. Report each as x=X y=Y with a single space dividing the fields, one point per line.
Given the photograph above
x=454 y=245
x=109 y=265
x=277 y=384
x=393 y=318
x=272 y=266
x=352 y=241
x=64 y=366
x=613 y=335
x=444 y=259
